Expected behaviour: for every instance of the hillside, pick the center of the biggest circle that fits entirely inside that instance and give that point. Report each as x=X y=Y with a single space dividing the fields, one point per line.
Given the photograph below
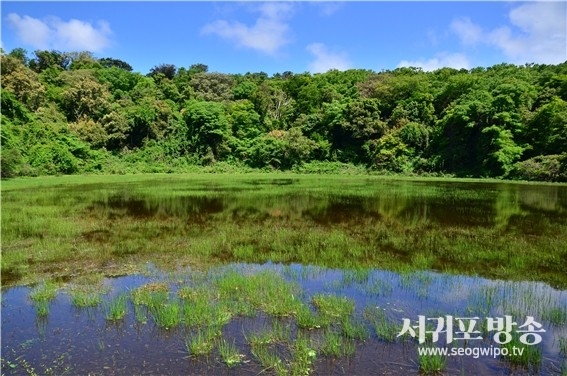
x=68 y=113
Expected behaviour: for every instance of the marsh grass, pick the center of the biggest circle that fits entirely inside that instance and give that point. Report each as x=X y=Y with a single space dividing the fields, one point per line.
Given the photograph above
x=302 y=358
x=431 y=363
x=85 y=299
x=44 y=292
x=268 y=359
x=150 y=295
x=307 y=319
x=379 y=288
x=357 y=275
x=354 y=329
x=166 y=315
x=385 y=328
x=555 y=315
x=334 y=308
x=278 y=332
x=141 y=314
x=65 y=227
x=202 y=342
x=335 y=345
x=42 y=308
x=117 y=309
x=523 y=355
x=229 y=353
x=563 y=346
x=263 y=291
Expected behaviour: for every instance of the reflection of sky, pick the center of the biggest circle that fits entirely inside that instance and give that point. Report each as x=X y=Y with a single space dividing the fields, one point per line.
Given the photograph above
x=434 y=294
x=68 y=330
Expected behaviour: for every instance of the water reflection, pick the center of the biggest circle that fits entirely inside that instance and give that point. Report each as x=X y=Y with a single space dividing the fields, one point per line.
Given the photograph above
x=486 y=205
x=71 y=341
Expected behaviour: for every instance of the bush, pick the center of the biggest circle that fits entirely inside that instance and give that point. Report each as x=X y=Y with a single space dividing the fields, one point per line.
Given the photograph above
x=543 y=167
x=318 y=167
x=53 y=158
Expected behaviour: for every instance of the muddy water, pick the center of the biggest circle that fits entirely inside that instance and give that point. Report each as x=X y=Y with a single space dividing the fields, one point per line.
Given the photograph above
x=80 y=341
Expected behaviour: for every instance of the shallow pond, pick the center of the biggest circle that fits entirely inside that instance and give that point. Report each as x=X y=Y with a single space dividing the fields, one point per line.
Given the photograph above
x=73 y=340
x=327 y=267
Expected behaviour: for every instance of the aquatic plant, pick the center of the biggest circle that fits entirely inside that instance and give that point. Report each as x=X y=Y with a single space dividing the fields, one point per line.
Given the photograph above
x=44 y=292
x=166 y=315
x=521 y=354
x=384 y=328
x=83 y=299
x=334 y=308
x=335 y=345
x=354 y=329
x=201 y=343
x=229 y=353
x=431 y=363
x=117 y=308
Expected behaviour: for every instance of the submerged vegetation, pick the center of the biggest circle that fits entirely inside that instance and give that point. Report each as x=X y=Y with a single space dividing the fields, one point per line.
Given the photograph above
x=237 y=326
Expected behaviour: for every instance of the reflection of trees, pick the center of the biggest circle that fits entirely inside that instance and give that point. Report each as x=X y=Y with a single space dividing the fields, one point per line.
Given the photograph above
x=506 y=206
x=548 y=198
x=501 y=207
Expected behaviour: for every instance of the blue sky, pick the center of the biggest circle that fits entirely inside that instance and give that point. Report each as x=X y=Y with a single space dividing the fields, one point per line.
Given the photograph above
x=272 y=37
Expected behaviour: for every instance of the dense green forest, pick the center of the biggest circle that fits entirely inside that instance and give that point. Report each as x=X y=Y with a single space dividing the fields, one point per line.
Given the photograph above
x=66 y=113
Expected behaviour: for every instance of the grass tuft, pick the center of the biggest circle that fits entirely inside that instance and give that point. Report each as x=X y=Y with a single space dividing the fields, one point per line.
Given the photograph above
x=117 y=308
x=431 y=362
x=229 y=353
x=201 y=343
x=44 y=292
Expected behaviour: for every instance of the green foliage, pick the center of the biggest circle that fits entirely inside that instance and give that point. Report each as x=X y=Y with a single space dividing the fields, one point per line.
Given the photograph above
x=167 y=70
x=547 y=130
x=22 y=82
x=108 y=62
x=543 y=167
x=280 y=149
x=207 y=130
x=482 y=122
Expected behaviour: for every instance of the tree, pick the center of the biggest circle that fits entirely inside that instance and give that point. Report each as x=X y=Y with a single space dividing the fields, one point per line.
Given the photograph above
x=120 y=82
x=45 y=59
x=22 y=82
x=83 y=60
x=20 y=54
x=84 y=96
x=281 y=149
x=207 y=129
x=212 y=87
x=168 y=70
x=547 y=131
x=500 y=151
x=198 y=68
x=108 y=62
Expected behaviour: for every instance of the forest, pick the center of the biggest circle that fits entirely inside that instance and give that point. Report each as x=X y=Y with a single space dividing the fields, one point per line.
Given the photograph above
x=73 y=113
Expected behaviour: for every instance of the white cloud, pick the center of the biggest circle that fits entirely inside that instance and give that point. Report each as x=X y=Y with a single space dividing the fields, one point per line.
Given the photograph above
x=30 y=30
x=53 y=33
x=537 y=33
x=326 y=60
x=267 y=35
x=442 y=60
x=544 y=33
x=468 y=32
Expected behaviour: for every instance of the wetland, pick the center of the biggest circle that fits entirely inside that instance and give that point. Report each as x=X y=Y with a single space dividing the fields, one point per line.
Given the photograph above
x=276 y=273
